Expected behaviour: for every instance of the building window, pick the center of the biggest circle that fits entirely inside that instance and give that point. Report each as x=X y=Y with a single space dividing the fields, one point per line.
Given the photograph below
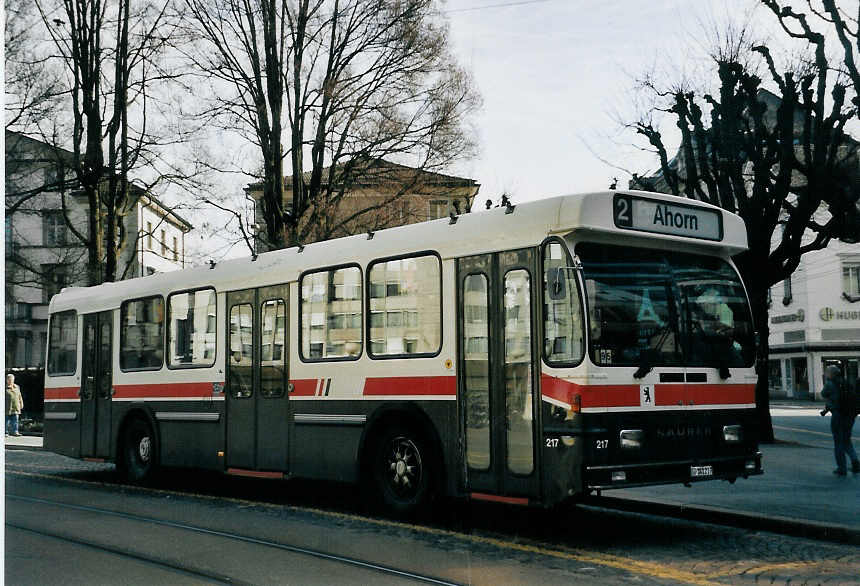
x=163 y=244
x=331 y=314
x=786 y=291
x=175 y=249
x=774 y=377
x=53 y=228
x=54 y=175
x=141 y=334
x=191 y=333
x=54 y=278
x=63 y=345
x=149 y=235
x=437 y=208
x=405 y=306
x=851 y=279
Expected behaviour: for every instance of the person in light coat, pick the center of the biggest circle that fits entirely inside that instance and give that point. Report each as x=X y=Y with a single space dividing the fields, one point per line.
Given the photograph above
x=14 y=404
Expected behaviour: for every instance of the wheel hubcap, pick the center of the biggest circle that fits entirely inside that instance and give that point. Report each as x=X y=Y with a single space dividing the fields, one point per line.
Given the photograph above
x=404 y=464
x=144 y=449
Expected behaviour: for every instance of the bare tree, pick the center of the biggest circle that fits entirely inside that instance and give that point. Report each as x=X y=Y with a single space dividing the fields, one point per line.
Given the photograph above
x=348 y=82
x=781 y=160
x=829 y=16
x=110 y=52
x=33 y=87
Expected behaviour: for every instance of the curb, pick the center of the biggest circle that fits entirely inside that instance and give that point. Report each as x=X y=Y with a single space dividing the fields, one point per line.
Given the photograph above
x=23 y=447
x=718 y=516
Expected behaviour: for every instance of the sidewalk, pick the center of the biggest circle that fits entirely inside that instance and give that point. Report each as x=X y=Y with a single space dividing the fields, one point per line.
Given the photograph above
x=23 y=442
x=797 y=494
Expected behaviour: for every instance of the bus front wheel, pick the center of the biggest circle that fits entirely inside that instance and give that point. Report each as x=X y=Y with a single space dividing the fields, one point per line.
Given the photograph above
x=401 y=470
x=138 y=447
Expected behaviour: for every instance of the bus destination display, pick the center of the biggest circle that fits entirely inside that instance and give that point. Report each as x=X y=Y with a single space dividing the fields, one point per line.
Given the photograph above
x=647 y=215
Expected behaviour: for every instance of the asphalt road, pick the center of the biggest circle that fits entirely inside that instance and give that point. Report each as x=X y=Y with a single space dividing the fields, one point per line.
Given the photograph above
x=70 y=522
x=797 y=484
x=805 y=426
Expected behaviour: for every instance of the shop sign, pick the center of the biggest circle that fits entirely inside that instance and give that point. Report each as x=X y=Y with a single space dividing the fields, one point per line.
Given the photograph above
x=828 y=314
x=789 y=318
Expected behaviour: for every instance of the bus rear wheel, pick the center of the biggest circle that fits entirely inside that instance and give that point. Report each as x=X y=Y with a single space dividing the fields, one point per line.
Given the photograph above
x=401 y=471
x=138 y=452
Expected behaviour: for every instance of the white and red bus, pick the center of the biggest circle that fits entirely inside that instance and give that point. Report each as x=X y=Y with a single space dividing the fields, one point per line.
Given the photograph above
x=526 y=354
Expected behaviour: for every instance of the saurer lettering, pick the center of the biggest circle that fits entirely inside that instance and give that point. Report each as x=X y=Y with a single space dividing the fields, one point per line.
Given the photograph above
x=680 y=431
x=664 y=216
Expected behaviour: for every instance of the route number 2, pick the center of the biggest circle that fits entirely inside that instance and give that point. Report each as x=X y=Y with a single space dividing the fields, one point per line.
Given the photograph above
x=623 y=211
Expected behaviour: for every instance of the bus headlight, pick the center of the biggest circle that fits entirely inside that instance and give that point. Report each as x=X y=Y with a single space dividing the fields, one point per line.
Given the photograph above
x=733 y=434
x=631 y=439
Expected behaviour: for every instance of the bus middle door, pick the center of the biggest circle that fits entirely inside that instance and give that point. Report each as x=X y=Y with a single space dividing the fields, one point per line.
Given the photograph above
x=498 y=374
x=257 y=379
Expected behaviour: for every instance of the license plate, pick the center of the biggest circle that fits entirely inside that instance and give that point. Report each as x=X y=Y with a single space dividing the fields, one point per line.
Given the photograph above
x=700 y=471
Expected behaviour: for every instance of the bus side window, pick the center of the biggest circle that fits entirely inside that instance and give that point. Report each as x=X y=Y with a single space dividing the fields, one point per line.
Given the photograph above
x=563 y=329
x=63 y=350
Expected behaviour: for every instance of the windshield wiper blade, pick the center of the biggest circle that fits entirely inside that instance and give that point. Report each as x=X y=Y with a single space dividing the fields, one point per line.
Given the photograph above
x=645 y=365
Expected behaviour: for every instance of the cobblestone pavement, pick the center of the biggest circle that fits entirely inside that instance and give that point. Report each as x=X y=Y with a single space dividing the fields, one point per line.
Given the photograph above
x=657 y=549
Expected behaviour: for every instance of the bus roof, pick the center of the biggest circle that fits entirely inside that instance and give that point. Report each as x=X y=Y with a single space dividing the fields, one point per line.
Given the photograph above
x=581 y=216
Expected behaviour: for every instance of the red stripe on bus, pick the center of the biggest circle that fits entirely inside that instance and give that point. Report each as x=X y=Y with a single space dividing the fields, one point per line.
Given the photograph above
x=62 y=393
x=304 y=387
x=665 y=394
x=190 y=390
x=668 y=394
x=410 y=385
x=494 y=498
x=729 y=394
x=254 y=473
x=592 y=396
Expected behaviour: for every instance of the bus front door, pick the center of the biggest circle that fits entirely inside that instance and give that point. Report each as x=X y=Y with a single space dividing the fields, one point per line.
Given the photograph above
x=257 y=378
x=497 y=350
x=97 y=385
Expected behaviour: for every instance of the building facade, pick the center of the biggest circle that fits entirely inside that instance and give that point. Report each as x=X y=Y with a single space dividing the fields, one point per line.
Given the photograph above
x=374 y=195
x=815 y=322
x=42 y=253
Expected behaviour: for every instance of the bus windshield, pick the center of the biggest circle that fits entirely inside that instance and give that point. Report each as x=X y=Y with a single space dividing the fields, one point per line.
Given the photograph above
x=663 y=308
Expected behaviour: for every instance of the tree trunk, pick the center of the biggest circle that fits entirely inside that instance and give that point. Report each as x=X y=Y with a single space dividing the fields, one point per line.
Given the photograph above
x=757 y=283
x=758 y=300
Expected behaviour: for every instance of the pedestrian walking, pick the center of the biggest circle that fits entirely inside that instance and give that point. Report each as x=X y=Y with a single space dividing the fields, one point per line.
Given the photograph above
x=842 y=404
x=14 y=404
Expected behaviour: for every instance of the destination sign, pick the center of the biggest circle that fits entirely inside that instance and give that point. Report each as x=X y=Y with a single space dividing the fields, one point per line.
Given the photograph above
x=648 y=215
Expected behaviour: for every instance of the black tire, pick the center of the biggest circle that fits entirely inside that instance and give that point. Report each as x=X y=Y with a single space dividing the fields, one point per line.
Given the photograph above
x=138 y=458
x=401 y=469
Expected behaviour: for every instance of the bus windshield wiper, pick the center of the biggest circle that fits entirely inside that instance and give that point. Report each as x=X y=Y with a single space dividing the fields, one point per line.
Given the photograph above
x=645 y=363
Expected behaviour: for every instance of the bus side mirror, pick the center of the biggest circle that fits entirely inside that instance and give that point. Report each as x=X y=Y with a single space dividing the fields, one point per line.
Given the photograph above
x=555 y=284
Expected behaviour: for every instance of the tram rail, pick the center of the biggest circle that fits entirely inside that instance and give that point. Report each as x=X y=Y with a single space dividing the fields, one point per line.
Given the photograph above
x=188 y=569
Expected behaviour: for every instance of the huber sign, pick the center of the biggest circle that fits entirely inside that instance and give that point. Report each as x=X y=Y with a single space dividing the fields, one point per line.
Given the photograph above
x=827 y=314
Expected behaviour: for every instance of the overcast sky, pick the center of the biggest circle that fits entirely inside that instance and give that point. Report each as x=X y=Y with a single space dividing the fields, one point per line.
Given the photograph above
x=553 y=75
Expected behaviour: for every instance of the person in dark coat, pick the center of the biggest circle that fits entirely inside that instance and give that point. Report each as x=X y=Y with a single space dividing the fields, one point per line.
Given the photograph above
x=842 y=418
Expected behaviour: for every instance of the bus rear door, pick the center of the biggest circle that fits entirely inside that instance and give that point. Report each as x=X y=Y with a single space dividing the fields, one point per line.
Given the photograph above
x=257 y=400
x=498 y=382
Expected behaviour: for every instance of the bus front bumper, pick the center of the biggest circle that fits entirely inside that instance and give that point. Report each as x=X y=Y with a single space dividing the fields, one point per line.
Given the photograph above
x=671 y=472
